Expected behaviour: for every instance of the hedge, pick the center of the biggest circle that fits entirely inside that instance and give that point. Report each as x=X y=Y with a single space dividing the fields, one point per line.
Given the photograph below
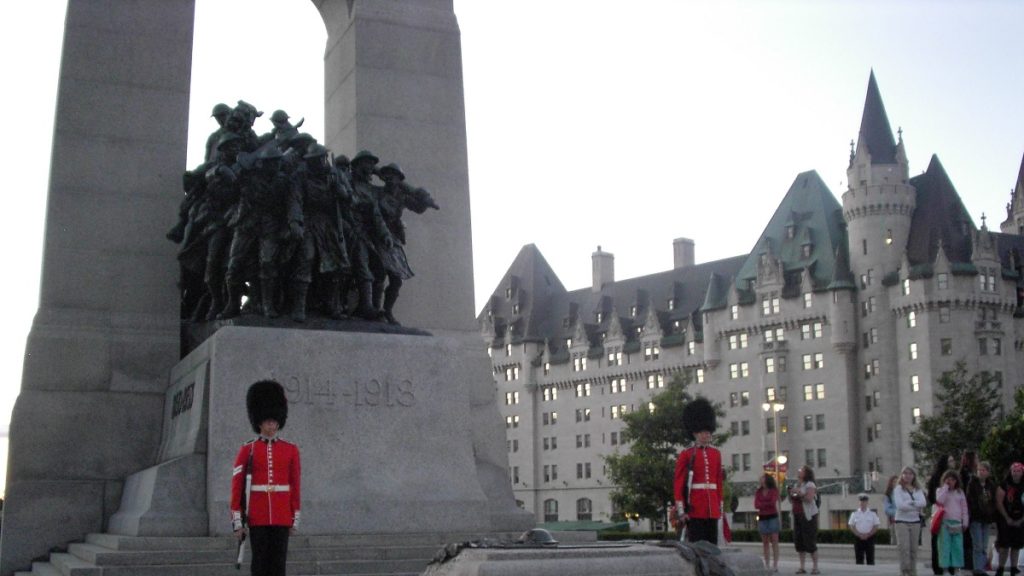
x=824 y=536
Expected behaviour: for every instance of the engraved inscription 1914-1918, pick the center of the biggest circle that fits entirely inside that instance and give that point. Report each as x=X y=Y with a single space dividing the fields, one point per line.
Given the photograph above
x=356 y=393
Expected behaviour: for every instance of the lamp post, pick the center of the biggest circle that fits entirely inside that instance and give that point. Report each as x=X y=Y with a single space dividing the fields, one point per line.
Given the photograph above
x=775 y=408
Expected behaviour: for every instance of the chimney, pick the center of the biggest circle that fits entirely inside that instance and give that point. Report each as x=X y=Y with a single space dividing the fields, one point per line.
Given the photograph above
x=604 y=268
x=682 y=253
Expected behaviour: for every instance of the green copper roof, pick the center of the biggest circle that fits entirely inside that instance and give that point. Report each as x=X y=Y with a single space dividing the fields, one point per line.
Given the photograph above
x=808 y=212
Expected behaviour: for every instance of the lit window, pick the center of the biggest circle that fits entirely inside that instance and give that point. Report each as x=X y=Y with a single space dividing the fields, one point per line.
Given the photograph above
x=906 y=287
x=615 y=358
x=547 y=367
x=744 y=398
x=651 y=352
x=769 y=394
x=913 y=350
x=650 y=407
x=508 y=349
x=734 y=399
x=942 y=280
x=671 y=303
x=911 y=319
x=700 y=375
x=808 y=392
x=808 y=300
x=734 y=312
x=769 y=365
x=819 y=391
x=915 y=416
x=691 y=347
x=915 y=383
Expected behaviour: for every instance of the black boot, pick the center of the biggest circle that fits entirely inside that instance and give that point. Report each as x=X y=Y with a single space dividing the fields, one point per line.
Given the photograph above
x=299 y=291
x=390 y=297
x=268 y=291
x=365 y=309
x=233 y=306
x=334 y=306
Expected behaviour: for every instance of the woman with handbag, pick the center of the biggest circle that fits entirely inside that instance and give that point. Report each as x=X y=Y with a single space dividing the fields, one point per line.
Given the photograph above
x=909 y=500
x=952 y=519
x=805 y=518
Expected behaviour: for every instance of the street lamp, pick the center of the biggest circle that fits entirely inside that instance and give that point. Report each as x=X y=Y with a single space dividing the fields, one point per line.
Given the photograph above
x=775 y=408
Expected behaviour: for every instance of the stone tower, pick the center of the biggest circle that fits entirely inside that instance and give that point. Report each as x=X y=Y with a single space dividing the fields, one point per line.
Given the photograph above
x=878 y=207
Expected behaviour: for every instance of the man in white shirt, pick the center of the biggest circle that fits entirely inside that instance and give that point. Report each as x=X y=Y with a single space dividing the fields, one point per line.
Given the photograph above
x=864 y=523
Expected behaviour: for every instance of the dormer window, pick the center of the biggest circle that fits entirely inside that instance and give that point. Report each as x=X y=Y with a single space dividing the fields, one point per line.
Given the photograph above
x=508 y=292
x=671 y=303
x=805 y=251
x=791 y=231
x=632 y=311
x=568 y=342
x=888 y=237
x=764 y=259
x=515 y=308
x=599 y=317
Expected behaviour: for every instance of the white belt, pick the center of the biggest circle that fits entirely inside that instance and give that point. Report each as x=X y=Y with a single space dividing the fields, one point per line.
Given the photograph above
x=704 y=486
x=270 y=488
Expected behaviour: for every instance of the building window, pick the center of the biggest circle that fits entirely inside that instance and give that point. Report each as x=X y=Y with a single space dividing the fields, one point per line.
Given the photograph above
x=915 y=383
x=808 y=392
x=515 y=474
x=508 y=349
x=614 y=438
x=651 y=352
x=700 y=375
x=878 y=429
x=618 y=411
x=551 y=510
x=583 y=390
x=734 y=312
x=584 y=508
x=888 y=237
x=808 y=423
x=769 y=365
x=906 y=287
x=774 y=335
x=615 y=358
x=808 y=300
x=744 y=398
x=913 y=351
x=579 y=363
x=814 y=361
x=735 y=461
x=784 y=427
x=650 y=407
x=737 y=341
x=822 y=462
x=550 y=393
x=769 y=427
x=739 y=370
x=770 y=305
x=691 y=348
x=734 y=399
x=511 y=422
x=547 y=367
x=996 y=346
x=911 y=319
x=769 y=394
x=819 y=422
x=582 y=415
x=810 y=331
x=915 y=416
x=819 y=391
x=745 y=428
x=511 y=398
x=655 y=381
x=746 y=462
x=873 y=335
x=983 y=346
x=809 y=457
x=671 y=304
x=942 y=280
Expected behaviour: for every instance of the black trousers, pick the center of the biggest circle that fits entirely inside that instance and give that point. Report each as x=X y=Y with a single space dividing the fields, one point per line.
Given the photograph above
x=864 y=549
x=269 y=550
x=698 y=529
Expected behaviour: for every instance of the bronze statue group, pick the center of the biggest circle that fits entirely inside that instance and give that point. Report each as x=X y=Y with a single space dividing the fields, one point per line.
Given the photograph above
x=280 y=222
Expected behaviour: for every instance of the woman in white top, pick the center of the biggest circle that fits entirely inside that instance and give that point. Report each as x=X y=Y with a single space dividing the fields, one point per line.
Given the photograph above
x=909 y=500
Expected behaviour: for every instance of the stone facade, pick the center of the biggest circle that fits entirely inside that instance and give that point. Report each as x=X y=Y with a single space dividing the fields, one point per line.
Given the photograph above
x=845 y=313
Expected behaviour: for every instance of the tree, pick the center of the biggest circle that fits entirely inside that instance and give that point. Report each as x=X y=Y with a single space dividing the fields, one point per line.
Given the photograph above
x=643 y=476
x=968 y=408
x=1004 y=444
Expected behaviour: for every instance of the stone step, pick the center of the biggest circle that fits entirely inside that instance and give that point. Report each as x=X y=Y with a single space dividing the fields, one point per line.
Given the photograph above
x=104 y=557
x=70 y=565
x=44 y=569
x=148 y=543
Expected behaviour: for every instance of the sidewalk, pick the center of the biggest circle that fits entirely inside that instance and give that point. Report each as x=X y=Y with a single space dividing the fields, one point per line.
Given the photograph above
x=837 y=559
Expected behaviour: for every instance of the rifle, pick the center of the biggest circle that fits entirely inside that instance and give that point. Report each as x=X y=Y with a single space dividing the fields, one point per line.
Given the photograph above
x=245 y=509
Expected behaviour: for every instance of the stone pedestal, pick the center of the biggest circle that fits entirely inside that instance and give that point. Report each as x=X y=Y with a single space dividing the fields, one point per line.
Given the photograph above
x=397 y=434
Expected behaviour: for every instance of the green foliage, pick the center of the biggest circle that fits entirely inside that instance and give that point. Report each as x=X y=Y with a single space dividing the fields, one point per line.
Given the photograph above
x=1005 y=442
x=643 y=476
x=968 y=410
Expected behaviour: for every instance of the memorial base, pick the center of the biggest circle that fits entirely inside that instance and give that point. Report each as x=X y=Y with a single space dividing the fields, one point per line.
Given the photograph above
x=397 y=433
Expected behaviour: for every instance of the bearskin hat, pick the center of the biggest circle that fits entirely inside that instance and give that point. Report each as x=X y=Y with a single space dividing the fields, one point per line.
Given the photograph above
x=266 y=401
x=699 y=415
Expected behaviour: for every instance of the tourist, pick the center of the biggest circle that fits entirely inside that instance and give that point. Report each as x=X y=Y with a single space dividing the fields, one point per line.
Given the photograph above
x=864 y=523
x=805 y=518
x=955 y=520
x=968 y=468
x=943 y=463
x=1010 y=518
x=766 y=501
x=909 y=500
x=273 y=501
x=981 y=506
x=890 y=508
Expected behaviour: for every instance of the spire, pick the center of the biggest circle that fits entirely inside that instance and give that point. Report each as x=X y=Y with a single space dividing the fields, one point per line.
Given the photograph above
x=875 y=132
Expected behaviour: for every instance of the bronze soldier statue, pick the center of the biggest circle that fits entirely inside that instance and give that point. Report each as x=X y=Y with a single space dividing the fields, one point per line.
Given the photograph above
x=323 y=257
x=393 y=199
x=268 y=216
x=370 y=235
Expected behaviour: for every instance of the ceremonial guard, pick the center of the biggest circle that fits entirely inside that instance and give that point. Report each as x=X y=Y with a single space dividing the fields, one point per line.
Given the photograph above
x=699 y=476
x=269 y=510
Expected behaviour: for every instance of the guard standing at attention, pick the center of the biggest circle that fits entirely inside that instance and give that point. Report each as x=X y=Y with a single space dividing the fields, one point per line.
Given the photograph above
x=699 y=476
x=273 y=498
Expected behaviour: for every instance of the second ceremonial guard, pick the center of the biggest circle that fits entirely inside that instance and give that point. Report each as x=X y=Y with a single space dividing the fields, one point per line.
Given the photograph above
x=699 y=476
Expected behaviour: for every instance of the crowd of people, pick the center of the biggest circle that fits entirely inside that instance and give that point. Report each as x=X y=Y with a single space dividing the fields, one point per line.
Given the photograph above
x=275 y=218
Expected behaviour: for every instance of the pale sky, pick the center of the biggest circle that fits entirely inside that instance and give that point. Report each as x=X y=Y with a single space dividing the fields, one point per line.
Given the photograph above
x=595 y=122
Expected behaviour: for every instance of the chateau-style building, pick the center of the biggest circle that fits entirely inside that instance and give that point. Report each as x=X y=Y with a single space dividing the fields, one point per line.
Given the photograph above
x=827 y=338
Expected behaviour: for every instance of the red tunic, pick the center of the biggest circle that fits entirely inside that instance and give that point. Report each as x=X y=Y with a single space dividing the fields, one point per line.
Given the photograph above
x=705 y=497
x=274 y=495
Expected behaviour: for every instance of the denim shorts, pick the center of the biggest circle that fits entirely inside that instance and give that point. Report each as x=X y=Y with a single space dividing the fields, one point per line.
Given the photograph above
x=769 y=526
